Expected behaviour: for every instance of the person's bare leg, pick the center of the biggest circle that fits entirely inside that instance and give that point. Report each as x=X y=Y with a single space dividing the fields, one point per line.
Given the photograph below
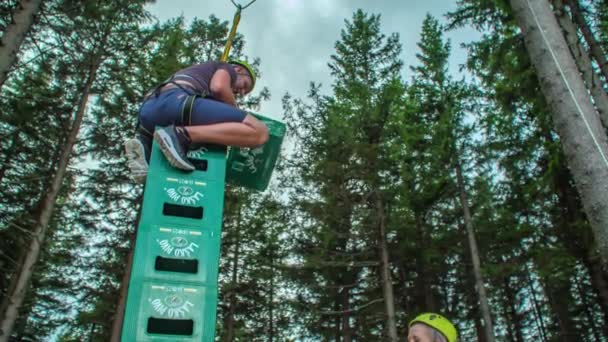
x=249 y=133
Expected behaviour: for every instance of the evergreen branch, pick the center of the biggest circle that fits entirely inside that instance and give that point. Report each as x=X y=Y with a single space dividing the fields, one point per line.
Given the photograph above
x=331 y=313
x=9 y=258
x=23 y=230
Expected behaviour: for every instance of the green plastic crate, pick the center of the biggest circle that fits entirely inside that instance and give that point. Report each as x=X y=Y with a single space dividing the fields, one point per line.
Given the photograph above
x=184 y=200
x=187 y=254
x=212 y=156
x=252 y=167
x=169 y=311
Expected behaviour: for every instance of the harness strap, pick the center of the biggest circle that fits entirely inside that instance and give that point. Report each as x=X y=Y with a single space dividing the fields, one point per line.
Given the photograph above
x=200 y=82
x=188 y=106
x=187 y=109
x=144 y=132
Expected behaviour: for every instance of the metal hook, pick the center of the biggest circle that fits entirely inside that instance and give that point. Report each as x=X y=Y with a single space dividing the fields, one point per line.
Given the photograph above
x=242 y=7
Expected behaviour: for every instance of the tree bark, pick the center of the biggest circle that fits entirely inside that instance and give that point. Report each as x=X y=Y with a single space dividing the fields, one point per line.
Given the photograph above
x=474 y=314
x=387 y=281
x=271 y=328
x=15 y=34
x=574 y=117
x=514 y=320
x=599 y=280
x=17 y=296
x=559 y=297
x=538 y=317
x=596 y=49
x=589 y=312
x=347 y=333
x=584 y=64
x=479 y=285
x=230 y=319
x=119 y=315
x=12 y=286
x=424 y=296
x=14 y=149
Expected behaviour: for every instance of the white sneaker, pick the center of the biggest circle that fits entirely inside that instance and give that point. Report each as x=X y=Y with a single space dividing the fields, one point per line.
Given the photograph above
x=136 y=159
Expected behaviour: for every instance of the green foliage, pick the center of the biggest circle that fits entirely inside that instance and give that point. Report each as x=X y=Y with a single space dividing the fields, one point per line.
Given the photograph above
x=539 y=204
x=376 y=154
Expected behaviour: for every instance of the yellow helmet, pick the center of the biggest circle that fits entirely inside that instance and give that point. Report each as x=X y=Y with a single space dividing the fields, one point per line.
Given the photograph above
x=439 y=323
x=247 y=67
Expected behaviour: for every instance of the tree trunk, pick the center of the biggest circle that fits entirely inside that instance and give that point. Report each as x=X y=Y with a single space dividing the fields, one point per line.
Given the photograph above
x=119 y=315
x=12 y=285
x=559 y=296
x=514 y=320
x=271 y=302
x=575 y=119
x=230 y=319
x=479 y=285
x=387 y=281
x=538 y=317
x=583 y=62
x=599 y=280
x=474 y=314
x=589 y=312
x=13 y=150
x=599 y=283
x=576 y=241
x=347 y=333
x=23 y=277
x=424 y=296
x=595 y=47
x=15 y=34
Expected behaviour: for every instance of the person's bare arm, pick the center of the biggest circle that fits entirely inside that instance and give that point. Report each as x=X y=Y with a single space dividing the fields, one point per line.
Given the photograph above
x=220 y=87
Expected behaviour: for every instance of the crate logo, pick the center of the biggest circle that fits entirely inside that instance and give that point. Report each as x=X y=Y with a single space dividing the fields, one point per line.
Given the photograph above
x=250 y=156
x=184 y=195
x=172 y=306
x=197 y=154
x=177 y=246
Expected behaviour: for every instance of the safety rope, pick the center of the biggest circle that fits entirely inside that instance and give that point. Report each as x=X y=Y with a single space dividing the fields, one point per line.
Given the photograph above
x=235 y=23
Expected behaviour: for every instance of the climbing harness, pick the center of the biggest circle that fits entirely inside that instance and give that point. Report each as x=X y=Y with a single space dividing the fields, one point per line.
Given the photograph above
x=186 y=114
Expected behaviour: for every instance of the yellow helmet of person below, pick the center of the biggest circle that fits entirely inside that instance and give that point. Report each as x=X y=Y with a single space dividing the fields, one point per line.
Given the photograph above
x=247 y=67
x=439 y=323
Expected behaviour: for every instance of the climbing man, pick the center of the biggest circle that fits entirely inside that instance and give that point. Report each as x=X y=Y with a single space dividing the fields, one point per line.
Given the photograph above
x=431 y=327
x=195 y=105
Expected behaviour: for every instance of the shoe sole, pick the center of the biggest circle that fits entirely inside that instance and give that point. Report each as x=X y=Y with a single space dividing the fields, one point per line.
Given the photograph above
x=136 y=160
x=166 y=146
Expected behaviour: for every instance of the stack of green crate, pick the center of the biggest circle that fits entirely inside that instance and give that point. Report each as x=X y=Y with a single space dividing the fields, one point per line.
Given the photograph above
x=173 y=288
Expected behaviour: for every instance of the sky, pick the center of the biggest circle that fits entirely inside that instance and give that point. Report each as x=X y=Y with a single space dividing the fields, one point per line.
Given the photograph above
x=295 y=38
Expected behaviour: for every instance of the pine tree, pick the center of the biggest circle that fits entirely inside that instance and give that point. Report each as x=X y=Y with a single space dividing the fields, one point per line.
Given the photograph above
x=587 y=158
x=28 y=160
x=90 y=58
x=14 y=33
x=255 y=250
x=598 y=53
x=342 y=154
x=583 y=62
x=521 y=139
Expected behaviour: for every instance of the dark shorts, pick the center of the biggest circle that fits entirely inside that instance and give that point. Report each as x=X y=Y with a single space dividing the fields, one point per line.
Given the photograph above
x=166 y=109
